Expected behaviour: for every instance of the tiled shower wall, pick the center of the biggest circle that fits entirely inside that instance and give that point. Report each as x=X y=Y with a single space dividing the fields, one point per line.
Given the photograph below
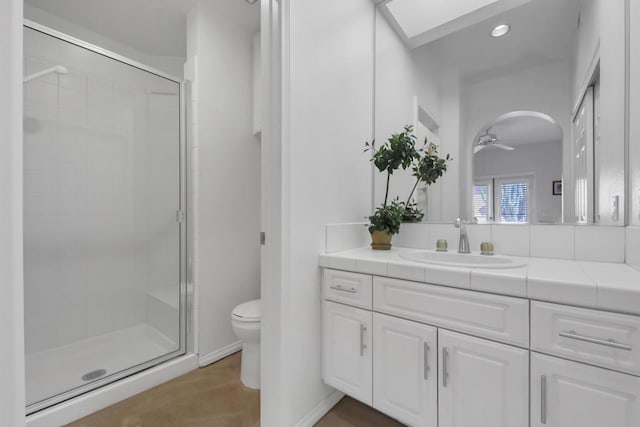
x=101 y=192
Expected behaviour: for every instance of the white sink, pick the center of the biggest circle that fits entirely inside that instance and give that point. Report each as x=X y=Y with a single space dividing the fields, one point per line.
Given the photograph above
x=454 y=259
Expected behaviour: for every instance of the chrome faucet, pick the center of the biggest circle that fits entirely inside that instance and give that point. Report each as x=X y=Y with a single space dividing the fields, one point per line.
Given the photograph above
x=463 y=242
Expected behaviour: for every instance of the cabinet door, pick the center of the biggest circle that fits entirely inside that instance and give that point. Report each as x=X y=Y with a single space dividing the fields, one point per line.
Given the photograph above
x=405 y=370
x=570 y=394
x=346 y=350
x=482 y=383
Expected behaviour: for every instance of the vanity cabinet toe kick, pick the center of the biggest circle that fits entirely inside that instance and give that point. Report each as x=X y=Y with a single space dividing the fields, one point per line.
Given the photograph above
x=430 y=355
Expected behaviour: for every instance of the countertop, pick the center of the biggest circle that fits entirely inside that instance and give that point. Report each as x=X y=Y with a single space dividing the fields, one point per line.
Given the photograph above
x=600 y=285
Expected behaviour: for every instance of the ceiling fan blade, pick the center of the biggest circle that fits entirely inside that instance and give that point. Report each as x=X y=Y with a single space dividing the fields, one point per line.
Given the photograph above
x=478 y=148
x=504 y=147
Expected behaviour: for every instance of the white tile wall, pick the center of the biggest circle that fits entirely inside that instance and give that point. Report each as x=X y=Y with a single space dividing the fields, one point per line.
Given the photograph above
x=101 y=186
x=633 y=247
x=552 y=241
x=413 y=236
x=442 y=231
x=583 y=243
x=606 y=244
x=340 y=237
x=511 y=239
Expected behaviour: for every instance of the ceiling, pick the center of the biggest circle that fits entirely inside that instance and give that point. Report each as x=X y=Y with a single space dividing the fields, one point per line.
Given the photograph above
x=417 y=16
x=154 y=27
x=422 y=21
x=521 y=129
x=542 y=31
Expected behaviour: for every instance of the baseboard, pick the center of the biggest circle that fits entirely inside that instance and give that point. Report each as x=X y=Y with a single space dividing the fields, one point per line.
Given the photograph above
x=214 y=356
x=320 y=409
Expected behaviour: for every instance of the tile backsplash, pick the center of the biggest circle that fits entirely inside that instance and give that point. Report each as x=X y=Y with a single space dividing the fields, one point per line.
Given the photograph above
x=340 y=237
x=633 y=247
x=582 y=243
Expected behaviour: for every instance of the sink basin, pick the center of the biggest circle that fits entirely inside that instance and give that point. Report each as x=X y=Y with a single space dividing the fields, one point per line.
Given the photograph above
x=454 y=259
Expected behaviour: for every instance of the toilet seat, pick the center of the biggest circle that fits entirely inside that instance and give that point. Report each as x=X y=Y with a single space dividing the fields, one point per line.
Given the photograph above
x=249 y=311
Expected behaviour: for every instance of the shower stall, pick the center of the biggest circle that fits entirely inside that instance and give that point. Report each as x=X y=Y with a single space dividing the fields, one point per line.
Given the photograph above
x=104 y=217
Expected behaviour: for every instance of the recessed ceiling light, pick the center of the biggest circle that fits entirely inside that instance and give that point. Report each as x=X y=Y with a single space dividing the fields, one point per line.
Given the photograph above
x=500 y=30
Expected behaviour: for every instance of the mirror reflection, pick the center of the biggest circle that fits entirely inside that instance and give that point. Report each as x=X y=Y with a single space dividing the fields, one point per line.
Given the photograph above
x=527 y=97
x=516 y=160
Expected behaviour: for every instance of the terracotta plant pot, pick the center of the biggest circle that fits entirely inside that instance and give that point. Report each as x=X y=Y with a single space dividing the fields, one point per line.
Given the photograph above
x=380 y=241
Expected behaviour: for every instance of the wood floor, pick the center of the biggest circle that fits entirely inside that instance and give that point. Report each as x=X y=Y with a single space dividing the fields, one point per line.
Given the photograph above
x=213 y=396
x=351 y=413
x=207 y=397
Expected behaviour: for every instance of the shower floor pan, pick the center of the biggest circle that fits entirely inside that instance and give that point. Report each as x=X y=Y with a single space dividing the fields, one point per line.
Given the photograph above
x=58 y=370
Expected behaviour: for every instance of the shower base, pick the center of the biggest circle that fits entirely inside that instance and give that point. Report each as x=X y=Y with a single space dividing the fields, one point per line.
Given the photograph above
x=61 y=369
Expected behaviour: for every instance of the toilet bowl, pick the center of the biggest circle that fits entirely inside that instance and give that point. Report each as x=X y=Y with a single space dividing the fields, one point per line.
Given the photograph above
x=246 y=321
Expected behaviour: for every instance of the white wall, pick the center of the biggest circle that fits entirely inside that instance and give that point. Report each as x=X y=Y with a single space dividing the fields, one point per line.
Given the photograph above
x=542 y=160
x=12 y=401
x=226 y=172
x=634 y=112
x=326 y=176
x=168 y=64
x=543 y=89
x=400 y=76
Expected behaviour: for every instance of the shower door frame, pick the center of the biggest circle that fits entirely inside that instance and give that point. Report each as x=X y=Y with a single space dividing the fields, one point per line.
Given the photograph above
x=182 y=217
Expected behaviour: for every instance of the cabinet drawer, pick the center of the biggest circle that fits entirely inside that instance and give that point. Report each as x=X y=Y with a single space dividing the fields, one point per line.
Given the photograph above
x=606 y=339
x=348 y=288
x=495 y=317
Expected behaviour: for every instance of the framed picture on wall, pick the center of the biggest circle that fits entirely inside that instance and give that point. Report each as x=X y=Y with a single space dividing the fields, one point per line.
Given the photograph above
x=557 y=188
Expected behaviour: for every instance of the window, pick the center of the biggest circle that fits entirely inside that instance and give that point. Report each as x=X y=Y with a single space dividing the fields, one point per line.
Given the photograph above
x=483 y=201
x=508 y=197
x=512 y=199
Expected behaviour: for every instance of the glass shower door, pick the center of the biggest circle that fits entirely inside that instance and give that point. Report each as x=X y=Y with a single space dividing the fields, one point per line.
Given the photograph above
x=103 y=193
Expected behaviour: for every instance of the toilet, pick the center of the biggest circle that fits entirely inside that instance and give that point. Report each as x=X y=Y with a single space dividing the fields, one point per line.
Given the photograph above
x=245 y=320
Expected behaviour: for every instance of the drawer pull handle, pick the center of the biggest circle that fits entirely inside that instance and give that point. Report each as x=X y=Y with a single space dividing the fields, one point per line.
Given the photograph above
x=445 y=367
x=543 y=399
x=362 y=344
x=426 y=361
x=609 y=343
x=342 y=289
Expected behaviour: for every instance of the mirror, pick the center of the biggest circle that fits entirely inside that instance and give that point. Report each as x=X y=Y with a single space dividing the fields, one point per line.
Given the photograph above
x=533 y=117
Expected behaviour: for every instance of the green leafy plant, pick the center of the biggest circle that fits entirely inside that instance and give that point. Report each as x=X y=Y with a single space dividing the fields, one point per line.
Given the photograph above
x=387 y=219
x=399 y=152
x=429 y=166
x=412 y=213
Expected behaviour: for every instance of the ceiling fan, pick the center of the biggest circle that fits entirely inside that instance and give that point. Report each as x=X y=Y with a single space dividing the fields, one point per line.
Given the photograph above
x=487 y=139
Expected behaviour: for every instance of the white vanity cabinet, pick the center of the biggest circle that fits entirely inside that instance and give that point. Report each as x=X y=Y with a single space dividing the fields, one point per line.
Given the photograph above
x=571 y=394
x=405 y=370
x=482 y=383
x=346 y=350
x=433 y=356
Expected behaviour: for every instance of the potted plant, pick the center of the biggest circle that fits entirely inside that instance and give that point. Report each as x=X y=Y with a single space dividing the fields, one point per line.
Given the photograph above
x=399 y=151
x=384 y=223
